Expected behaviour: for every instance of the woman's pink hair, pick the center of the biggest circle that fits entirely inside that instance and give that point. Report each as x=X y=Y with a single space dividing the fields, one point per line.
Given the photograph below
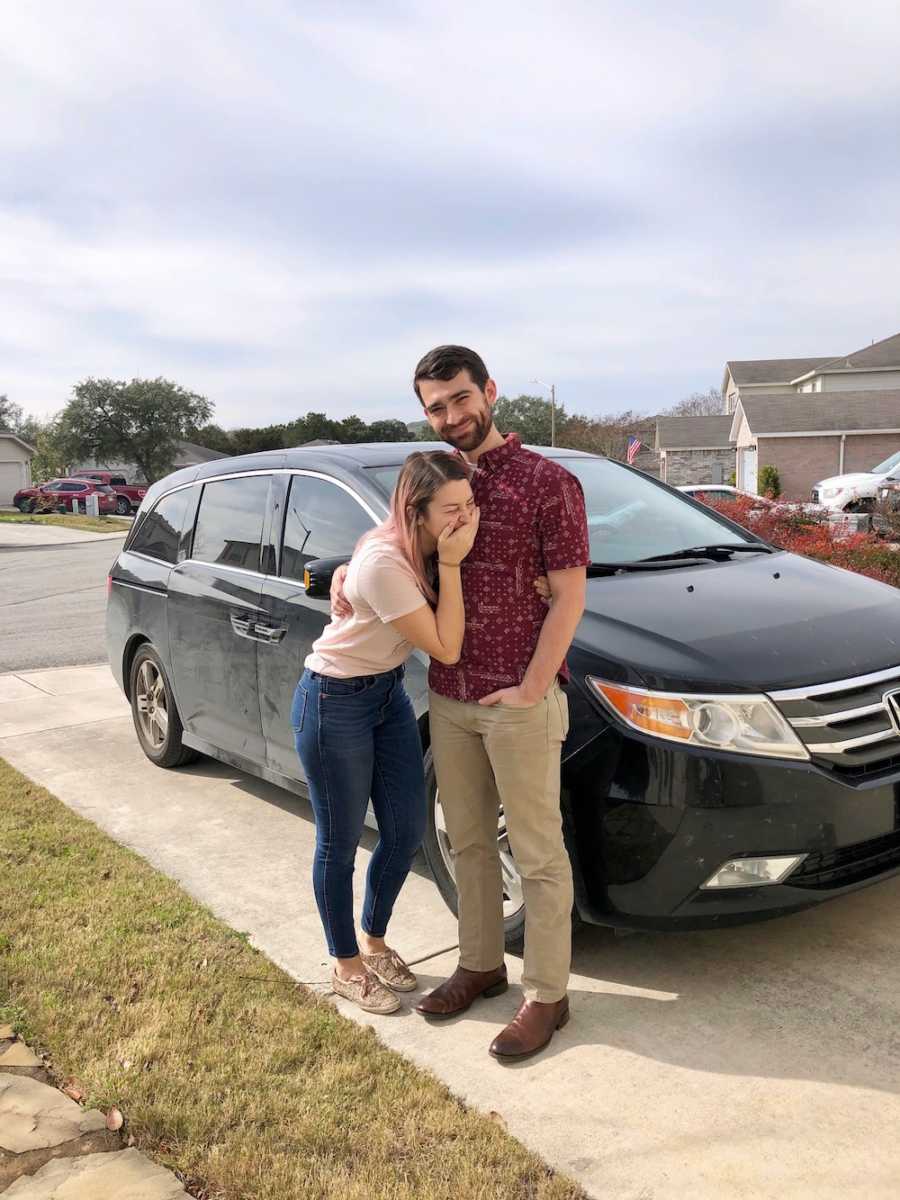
x=422 y=475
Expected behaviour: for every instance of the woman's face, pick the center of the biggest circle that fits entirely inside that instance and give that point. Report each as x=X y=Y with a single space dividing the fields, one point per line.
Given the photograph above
x=452 y=504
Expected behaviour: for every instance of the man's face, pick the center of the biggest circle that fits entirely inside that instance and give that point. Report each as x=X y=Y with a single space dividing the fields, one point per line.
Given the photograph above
x=457 y=410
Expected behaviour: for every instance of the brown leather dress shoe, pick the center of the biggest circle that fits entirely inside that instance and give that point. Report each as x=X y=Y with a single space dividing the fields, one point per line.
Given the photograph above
x=530 y=1029
x=456 y=994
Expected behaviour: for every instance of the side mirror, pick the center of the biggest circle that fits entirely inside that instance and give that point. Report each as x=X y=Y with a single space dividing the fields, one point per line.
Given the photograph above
x=318 y=574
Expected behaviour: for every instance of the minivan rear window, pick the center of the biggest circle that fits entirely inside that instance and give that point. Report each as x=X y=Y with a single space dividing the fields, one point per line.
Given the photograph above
x=230 y=521
x=160 y=530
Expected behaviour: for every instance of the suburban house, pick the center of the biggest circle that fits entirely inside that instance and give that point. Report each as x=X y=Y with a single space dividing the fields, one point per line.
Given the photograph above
x=755 y=377
x=695 y=449
x=189 y=455
x=873 y=368
x=15 y=465
x=814 y=417
x=810 y=436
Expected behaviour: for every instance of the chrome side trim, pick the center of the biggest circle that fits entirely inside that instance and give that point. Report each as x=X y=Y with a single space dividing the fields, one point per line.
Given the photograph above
x=277 y=471
x=215 y=566
x=839 y=685
x=137 y=587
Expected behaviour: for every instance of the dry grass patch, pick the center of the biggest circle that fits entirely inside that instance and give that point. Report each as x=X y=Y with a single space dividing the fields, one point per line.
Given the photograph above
x=227 y=1071
x=73 y=521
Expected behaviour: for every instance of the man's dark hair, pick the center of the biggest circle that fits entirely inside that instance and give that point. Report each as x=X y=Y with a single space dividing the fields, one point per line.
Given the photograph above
x=446 y=361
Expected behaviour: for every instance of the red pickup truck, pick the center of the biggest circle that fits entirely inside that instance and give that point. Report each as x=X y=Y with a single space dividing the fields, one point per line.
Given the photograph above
x=128 y=495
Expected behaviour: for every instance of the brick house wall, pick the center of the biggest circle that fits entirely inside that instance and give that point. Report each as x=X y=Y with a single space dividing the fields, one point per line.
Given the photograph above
x=697 y=466
x=803 y=461
x=866 y=451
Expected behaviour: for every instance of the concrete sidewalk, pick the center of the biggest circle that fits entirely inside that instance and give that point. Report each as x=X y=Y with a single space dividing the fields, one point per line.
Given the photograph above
x=26 y=534
x=745 y=1063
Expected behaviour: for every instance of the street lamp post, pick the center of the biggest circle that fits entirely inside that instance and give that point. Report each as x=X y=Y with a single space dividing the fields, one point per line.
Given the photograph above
x=551 y=388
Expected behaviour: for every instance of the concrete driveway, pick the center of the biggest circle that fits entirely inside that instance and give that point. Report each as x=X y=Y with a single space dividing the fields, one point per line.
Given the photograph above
x=742 y=1063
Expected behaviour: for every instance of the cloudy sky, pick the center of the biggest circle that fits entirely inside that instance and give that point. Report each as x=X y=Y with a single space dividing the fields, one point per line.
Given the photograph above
x=282 y=204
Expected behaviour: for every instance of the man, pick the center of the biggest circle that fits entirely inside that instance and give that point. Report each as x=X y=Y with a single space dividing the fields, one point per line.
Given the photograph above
x=498 y=717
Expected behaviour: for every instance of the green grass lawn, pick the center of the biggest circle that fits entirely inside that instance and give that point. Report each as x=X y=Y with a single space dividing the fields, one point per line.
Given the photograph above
x=247 y=1084
x=68 y=521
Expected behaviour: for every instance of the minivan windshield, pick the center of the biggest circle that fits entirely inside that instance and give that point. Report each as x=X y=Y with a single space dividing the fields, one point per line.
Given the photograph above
x=629 y=516
x=888 y=465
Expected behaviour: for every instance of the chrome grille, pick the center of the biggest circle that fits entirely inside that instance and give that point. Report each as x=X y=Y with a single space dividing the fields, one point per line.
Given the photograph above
x=851 y=725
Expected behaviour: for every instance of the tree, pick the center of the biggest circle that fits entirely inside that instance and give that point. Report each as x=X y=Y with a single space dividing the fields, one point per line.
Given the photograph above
x=10 y=415
x=140 y=422
x=213 y=437
x=352 y=429
x=313 y=427
x=52 y=452
x=529 y=417
x=389 y=431
x=710 y=403
x=251 y=441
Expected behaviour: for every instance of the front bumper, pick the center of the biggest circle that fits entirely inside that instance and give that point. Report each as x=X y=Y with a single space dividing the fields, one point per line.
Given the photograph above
x=648 y=823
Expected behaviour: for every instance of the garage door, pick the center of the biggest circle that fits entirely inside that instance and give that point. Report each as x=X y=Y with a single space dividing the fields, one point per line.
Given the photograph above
x=10 y=480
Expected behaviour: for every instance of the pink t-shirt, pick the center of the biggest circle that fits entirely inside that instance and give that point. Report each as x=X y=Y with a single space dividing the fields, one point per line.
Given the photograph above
x=381 y=586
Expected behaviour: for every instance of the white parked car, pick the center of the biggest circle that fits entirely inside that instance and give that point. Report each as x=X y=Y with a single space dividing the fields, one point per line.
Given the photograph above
x=858 y=491
x=724 y=491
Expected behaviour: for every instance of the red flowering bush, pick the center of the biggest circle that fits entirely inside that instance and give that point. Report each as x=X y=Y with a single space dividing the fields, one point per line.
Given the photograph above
x=810 y=534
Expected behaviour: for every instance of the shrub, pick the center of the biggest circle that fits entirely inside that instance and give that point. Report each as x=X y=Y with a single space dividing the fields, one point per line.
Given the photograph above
x=809 y=534
x=770 y=482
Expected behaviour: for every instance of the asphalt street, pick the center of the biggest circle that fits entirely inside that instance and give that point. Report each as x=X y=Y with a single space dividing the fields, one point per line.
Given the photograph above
x=53 y=604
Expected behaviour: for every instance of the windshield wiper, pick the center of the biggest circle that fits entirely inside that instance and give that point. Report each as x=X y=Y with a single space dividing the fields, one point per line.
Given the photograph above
x=596 y=569
x=712 y=551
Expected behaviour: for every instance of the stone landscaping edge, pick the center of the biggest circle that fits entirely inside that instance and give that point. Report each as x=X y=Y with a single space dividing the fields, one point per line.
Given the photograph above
x=52 y=1146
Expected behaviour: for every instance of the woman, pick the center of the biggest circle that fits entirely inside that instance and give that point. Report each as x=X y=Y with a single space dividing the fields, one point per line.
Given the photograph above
x=354 y=725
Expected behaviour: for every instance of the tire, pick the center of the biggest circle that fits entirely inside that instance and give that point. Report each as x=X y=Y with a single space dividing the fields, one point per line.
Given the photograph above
x=25 y=505
x=436 y=849
x=123 y=506
x=151 y=700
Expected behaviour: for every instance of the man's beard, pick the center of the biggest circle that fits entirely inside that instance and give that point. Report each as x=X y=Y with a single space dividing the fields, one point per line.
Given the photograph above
x=477 y=429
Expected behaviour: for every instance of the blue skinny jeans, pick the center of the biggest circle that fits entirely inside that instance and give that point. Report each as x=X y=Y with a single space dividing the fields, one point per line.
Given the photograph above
x=357 y=738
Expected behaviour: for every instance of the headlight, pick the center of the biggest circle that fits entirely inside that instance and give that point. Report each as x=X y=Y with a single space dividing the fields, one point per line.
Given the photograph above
x=742 y=724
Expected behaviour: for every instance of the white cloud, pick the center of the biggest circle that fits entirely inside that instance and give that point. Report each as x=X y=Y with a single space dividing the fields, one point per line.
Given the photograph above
x=284 y=207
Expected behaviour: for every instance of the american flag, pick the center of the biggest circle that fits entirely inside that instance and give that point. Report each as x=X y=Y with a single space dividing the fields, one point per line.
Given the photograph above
x=634 y=444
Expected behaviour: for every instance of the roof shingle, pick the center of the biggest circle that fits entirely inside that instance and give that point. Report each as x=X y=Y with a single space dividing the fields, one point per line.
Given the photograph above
x=692 y=433
x=771 y=370
x=832 y=412
x=885 y=353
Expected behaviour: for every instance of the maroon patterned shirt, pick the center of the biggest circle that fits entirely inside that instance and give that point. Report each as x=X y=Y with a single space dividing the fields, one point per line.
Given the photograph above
x=532 y=521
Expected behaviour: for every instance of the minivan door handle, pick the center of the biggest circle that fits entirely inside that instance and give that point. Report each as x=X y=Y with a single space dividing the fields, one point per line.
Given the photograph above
x=269 y=633
x=243 y=625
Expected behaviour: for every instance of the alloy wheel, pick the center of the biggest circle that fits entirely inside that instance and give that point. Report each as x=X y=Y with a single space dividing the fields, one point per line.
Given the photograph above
x=151 y=705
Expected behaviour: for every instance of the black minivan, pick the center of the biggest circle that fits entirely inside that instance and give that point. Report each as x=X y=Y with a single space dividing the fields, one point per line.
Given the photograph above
x=734 y=745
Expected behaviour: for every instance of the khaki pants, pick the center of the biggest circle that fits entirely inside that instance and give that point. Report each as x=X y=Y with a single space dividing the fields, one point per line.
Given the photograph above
x=485 y=757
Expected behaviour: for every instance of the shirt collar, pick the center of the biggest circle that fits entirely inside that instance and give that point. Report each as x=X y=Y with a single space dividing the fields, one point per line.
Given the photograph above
x=493 y=460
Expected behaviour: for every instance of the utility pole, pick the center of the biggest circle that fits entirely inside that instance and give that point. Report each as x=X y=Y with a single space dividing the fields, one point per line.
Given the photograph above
x=551 y=388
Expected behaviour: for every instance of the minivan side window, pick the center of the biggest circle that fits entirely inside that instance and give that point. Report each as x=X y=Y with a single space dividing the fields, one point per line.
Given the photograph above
x=160 y=530
x=230 y=521
x=323 y=521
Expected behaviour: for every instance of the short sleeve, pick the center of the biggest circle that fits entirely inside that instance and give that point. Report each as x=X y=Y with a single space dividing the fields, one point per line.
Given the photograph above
x=562 y=522
x=388 y=586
